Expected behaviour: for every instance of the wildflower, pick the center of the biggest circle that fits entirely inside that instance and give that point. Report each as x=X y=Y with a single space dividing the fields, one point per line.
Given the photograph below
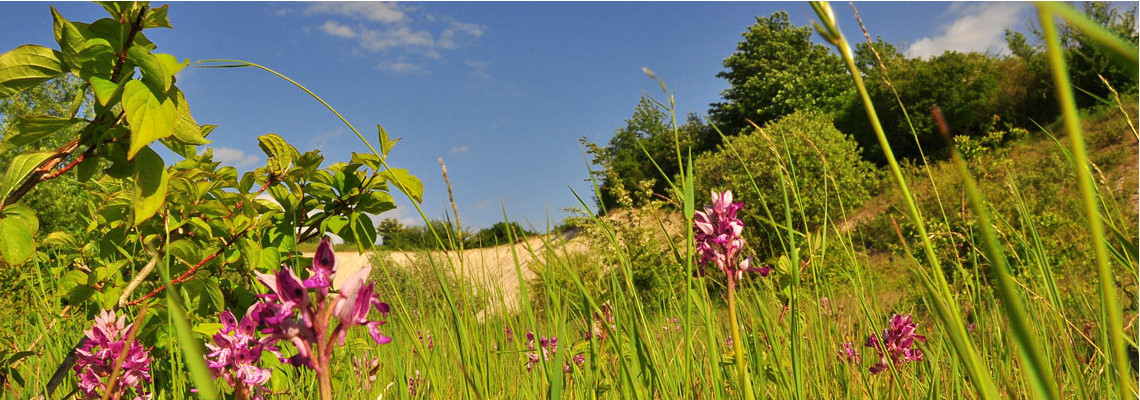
x=849 y=354
x=604 y=316
x=414 y=384
x=95 y=359
x=366 y=367
x=509 y=334
x=548 y=346
x=291 y=313
x=825 y=306
x=578 y=361
x=425 y=340
x=235 y=353
x=895 y=347
x=717 y=232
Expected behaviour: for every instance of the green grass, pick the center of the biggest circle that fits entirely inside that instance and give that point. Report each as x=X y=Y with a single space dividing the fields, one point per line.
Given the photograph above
x=990 y=256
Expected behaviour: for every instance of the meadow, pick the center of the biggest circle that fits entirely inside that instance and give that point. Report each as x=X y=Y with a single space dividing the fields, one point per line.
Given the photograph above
x=1006 y=269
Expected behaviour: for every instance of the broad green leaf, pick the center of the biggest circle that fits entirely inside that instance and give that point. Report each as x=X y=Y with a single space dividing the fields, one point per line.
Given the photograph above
x=207 y=329
x=171 y=63
x=27 y=66
x=156 y=18
x=213 y=292
x=250 y=252
x=104 y=90
x=280 y=152
x=150 y=118
x=30 y=128
x=376 y=202
x=20 y=169
x=407 y=183
x=270 y=259
x=385 y=143
x=24 y=214
x=68 y=37
x=150 y=185
x=153 y=71
x=360 y=229
x=16 y=241
x=186 y=130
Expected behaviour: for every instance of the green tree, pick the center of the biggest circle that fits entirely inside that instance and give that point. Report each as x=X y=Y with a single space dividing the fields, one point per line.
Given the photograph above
x=967 y=87
x=775 y=71
x=644 y=151
x=828 y=174
x=1087 y=62
x=60 y=203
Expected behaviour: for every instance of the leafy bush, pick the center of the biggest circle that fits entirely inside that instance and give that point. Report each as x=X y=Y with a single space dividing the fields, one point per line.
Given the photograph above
x=829 y=176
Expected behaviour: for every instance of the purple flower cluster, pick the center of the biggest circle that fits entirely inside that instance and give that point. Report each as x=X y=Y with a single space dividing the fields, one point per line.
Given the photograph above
x=896 y=345
x=289 y=315
x=235 y=353
x=717 y=232
x=849 y=354
x=425 y=340
x=605 y=317
x=95 y=359
x=548 y=346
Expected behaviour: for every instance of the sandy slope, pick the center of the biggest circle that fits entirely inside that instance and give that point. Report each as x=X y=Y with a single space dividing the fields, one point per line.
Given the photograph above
x=492 y=268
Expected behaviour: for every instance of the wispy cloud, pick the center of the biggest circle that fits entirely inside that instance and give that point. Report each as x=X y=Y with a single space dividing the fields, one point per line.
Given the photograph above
x=482 y=205
x=459 y=150
x=321 y=141
x=384 y=12
x=978 y=27
x=403 y=33
x=334 y=28
x=234 y=157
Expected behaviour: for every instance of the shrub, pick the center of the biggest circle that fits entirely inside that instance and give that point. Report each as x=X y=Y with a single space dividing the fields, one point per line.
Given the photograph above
x=828 y=175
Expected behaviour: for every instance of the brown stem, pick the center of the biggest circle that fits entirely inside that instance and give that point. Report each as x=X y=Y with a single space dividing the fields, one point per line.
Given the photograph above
x=324 y=352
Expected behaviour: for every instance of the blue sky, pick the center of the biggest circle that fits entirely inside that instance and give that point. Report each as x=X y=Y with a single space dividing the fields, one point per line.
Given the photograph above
x=501 y=91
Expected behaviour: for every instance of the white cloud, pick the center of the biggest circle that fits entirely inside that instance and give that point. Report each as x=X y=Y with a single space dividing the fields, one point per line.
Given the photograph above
x=396 y=37
x=336 y=29
x=407 y=37
x=383 y=12
x=459 y=150
x=400 y=67
x=978 y=27
x=459 y=31
x=481 y=205
x=234 y=157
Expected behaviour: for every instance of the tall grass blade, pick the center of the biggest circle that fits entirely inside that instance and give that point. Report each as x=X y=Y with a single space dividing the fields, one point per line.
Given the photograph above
x=947 y=309
x=1110 y=307
x=1037 y=366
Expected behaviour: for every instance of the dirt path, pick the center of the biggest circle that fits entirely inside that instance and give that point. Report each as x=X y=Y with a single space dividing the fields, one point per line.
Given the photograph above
x=491 y=268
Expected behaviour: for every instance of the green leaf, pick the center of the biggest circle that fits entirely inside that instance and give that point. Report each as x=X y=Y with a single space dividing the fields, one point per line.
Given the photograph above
x=156 y=18
x=250 y=252
x=170 y=63
x=407 y=183
x=385 y=143
x=153 y=71
x=104 y=90
x=186 y=130
x=151 y=180
x=23 y=214
x=68 y=37
x=30 y=128
x=270 y=259
x=20 y=169
x=27 y=66
x=280 y=152
x=16 y=241
x=376 y=202
x=150 y=118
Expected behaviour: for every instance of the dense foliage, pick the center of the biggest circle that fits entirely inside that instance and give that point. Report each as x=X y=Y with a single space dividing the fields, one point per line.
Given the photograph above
x=800 y=157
